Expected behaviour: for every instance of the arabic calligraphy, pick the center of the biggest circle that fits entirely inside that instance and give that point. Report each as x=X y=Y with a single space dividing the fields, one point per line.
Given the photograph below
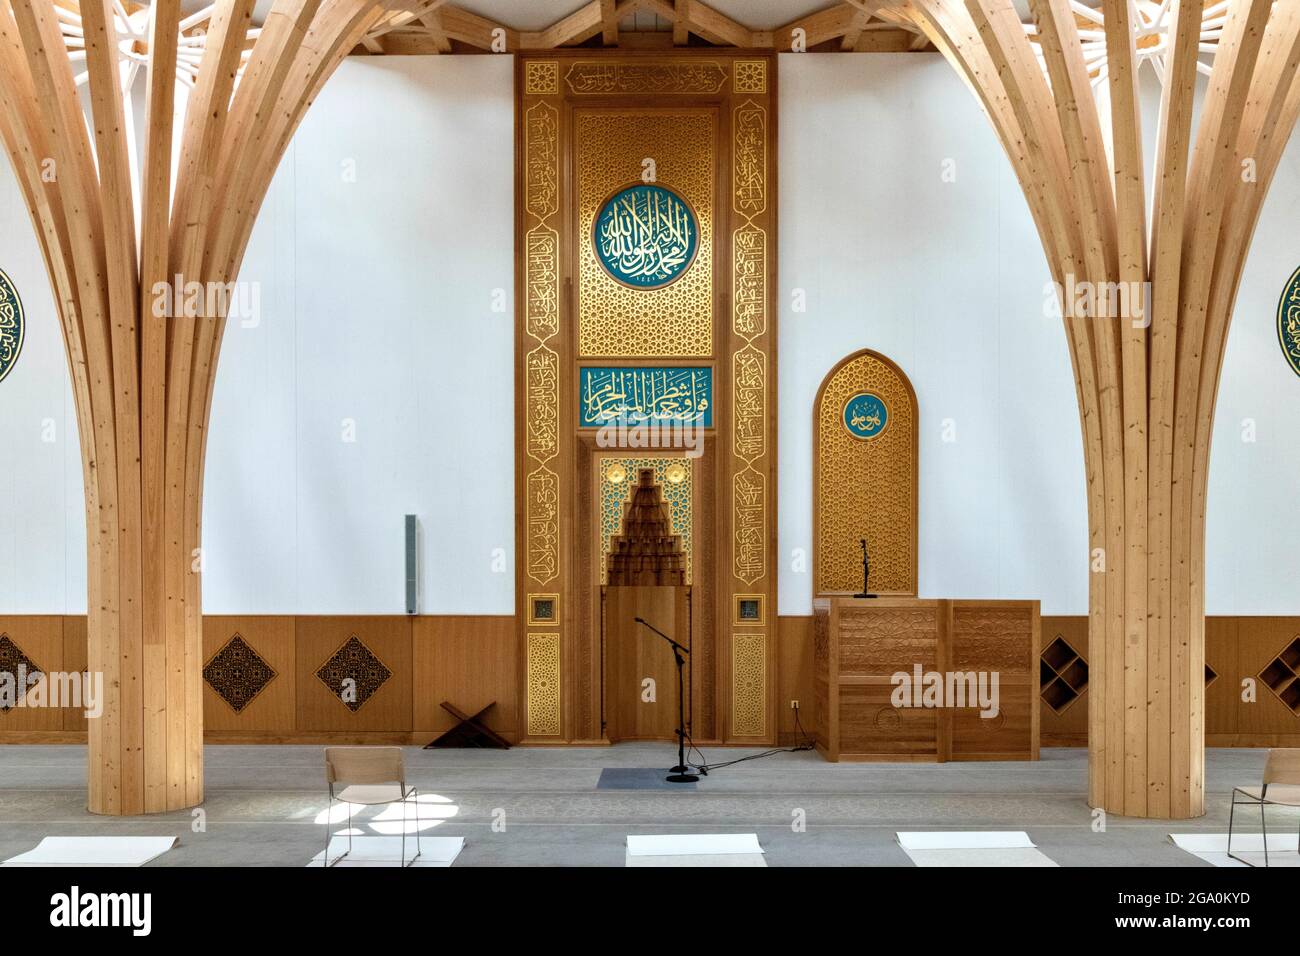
x=684 y=76
x=865 y=415
x=11 y=325
x=1288 y=323
x=674 y=394
x=750 y=159
x=645 y=236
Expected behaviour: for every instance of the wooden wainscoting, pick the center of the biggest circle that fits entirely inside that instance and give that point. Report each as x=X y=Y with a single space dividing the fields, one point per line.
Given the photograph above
x=264 y=681
x=472 y=661
x=1236 y=649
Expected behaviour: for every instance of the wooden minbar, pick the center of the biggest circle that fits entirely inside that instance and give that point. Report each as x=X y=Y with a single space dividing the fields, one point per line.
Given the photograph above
x=861 y=645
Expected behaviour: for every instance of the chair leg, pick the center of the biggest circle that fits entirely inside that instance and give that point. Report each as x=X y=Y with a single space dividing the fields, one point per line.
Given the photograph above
x=329 y=811
x=416 y=792
x=1232 y=812
x=402 y=862
x=1263 y=826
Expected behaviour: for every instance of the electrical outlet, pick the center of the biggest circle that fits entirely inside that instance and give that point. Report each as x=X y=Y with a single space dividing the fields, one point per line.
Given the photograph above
x=794 y=705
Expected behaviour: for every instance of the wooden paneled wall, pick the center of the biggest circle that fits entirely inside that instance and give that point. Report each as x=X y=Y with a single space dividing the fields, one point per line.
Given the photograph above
x=471 y=660
x=468 y=660
x=1236 y=648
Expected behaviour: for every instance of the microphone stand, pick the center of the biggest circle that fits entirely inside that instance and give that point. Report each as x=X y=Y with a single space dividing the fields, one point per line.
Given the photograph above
x=680 y=773
x=866 y=571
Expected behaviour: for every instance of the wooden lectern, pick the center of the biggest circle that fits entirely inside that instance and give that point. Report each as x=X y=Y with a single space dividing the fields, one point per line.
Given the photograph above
x=944 y=649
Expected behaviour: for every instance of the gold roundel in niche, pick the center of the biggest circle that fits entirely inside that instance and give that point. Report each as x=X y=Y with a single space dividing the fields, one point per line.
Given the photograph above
x=866 y=415
x=645 y=236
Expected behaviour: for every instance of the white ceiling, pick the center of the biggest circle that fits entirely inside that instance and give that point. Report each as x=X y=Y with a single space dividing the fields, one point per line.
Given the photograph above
x=539 y=14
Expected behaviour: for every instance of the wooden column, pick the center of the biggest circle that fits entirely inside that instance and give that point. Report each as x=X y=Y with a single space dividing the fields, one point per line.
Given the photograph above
x=1147 y=372
x=143 y=364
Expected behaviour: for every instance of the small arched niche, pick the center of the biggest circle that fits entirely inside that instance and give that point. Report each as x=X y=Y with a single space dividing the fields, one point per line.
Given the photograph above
x=865 y=424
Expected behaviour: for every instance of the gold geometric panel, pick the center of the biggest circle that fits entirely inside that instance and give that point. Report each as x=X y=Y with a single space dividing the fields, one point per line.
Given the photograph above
x=748 y=683
x=610 y=152
x=542 y=78
x=865 y=488
x=543 y=685
x=750 y=76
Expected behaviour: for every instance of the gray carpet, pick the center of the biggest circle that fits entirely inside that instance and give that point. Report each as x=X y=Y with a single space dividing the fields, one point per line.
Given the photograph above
x=547 y=806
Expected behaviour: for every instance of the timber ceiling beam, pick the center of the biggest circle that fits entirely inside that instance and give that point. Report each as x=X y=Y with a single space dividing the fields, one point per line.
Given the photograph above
x=852 y=25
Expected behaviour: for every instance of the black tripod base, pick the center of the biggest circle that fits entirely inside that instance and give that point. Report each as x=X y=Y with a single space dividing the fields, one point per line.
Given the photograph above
x=681 y=778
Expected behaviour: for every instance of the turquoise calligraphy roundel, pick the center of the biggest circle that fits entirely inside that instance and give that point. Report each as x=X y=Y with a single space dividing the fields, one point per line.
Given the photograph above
x=1288 y=322
x=646 y=236
x=11 y=325
x=865 y=415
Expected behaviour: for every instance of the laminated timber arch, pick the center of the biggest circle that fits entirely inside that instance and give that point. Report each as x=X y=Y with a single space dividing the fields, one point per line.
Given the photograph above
x=1146 y=391
x=143 y=384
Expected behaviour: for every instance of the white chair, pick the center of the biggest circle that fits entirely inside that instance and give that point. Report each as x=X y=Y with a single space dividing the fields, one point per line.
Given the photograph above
x=1280 y=788
x=368 y=776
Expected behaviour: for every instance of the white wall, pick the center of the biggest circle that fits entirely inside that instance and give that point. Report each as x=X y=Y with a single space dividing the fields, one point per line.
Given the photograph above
x=388 y=227
x=947 y=278
x=376 y=306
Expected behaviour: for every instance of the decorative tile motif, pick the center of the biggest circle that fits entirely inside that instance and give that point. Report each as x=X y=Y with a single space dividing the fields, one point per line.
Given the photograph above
x=22 y=670
x=357 y=664
x=542 y=78
x=543 y=685
x=237 y=673
x=11 y=325
x=750 y=76
x=748 y=683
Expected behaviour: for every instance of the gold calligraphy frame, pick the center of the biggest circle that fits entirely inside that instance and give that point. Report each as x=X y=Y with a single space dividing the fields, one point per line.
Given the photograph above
x=695 y=216
x=735 y=688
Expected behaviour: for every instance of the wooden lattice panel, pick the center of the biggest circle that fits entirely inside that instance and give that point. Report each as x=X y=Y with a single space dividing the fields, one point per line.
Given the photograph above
x=865 y=487
x=615 y=320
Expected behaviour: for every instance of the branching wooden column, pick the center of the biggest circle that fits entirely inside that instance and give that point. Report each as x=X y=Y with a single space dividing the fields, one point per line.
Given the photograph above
x=143 y=381
x=1146 y=372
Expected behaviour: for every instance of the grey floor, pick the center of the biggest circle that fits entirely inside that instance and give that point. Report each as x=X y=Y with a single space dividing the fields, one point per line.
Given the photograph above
x=263 y=804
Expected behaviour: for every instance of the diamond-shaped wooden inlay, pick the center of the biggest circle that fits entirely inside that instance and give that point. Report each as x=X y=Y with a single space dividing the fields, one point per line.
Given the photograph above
x=356 y=663
x=1062 y=675
x=237 y=673
x=1282 y=676
x=12 y=659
